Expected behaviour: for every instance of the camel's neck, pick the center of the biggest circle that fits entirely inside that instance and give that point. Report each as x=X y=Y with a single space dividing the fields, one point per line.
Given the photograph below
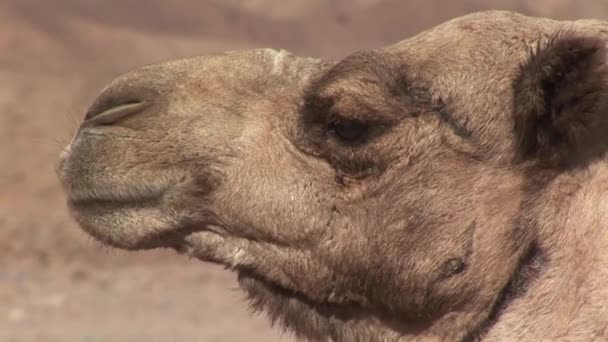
x=568 y=298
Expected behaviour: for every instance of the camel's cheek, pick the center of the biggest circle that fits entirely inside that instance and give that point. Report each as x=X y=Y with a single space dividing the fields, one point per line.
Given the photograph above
x=272 y=201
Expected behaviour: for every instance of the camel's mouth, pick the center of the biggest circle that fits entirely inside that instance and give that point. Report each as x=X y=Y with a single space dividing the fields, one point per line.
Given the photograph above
x=136 y=215
x=118 y=206
x=124 y=225
x=147 y=220
x=115 y=196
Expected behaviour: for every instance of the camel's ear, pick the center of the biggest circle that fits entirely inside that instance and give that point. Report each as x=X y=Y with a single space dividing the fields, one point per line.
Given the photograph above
x=561 y=101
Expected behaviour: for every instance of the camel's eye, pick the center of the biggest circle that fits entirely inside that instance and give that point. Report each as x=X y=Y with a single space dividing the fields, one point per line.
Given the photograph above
x=348 y=131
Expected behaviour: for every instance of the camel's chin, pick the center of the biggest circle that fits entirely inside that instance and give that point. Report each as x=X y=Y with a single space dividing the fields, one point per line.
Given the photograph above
x=125 y=225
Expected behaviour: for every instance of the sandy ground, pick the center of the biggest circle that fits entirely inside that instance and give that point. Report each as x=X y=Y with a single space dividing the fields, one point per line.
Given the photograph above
x=56 y=284
x=188 y=301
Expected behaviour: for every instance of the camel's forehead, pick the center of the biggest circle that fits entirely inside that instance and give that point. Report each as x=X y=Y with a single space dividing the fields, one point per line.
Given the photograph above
x=474 y=38
x=494 y=37
x=471 y=63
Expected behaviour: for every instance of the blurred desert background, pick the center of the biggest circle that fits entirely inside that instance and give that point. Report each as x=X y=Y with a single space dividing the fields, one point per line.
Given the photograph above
x=56 y=284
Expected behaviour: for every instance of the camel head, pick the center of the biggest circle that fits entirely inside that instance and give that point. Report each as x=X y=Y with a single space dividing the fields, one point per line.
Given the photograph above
x=390 y=195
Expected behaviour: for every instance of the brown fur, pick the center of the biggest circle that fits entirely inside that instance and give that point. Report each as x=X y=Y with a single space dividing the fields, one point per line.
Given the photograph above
x=448 y=187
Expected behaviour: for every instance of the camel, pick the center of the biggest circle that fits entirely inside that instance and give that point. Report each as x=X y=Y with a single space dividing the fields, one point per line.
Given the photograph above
x=449 y=187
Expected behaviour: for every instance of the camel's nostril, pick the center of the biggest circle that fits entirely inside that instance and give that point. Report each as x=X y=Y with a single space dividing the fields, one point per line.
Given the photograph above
x=121 y=99
x=107 y=102
x=106 y=115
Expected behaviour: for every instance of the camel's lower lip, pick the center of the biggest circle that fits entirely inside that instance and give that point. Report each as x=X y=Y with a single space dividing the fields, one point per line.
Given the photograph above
x=137 y=221
x=127 y=225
